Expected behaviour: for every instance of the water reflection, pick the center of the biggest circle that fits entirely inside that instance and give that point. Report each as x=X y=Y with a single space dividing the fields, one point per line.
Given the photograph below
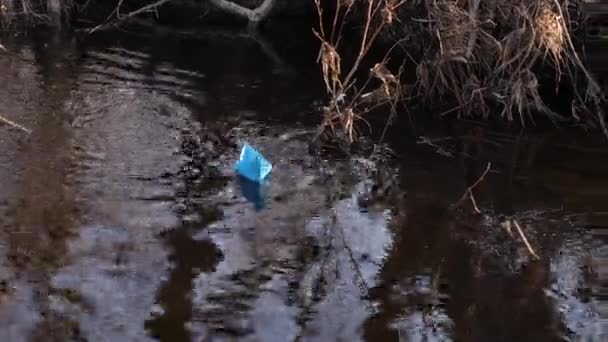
x=123 y=212
x=190 y=257
x=484 y=286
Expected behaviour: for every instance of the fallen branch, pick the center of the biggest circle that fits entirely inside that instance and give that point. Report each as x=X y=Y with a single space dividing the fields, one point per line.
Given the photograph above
x=14 y=124
x=468 y=193
x=253 y=15
x=2 y=48
x=523 y=237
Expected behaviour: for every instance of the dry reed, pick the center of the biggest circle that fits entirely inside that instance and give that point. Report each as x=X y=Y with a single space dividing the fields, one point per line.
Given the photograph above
x=484 y=56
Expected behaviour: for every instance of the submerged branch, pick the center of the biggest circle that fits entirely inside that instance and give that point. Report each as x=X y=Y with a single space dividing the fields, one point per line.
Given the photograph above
x=523 y=237
x=468 y=193
x=14 y=124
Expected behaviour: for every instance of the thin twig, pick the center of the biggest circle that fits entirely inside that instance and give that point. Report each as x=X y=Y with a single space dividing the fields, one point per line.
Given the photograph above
x=129 y=15
x=473 y=202
x=14 y=124
x=523 y=237
x=469 y=191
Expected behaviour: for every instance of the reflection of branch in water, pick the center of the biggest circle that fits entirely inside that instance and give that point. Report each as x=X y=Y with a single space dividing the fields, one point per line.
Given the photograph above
x=356 y=266
x=269 y=50
x=223 y=33
x=119 y=18
x=317 y=290
x=422 y=140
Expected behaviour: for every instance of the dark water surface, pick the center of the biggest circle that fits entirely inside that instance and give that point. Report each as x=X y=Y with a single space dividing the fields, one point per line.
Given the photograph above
x=121 y=219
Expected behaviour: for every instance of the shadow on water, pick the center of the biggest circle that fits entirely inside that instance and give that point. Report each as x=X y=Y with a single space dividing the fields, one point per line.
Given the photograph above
x=44 y=210
x=190 y=257
x=122 y=220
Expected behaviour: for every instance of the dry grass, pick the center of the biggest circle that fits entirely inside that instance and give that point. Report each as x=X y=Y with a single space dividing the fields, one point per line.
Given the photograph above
x=31 y=12
x=347 y=104
x=481 y=55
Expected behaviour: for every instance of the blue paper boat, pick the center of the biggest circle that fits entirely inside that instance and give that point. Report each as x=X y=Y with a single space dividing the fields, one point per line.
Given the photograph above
x=252 y=165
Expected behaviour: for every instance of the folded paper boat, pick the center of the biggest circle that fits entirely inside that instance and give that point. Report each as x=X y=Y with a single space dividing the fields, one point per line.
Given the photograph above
x=252 y=165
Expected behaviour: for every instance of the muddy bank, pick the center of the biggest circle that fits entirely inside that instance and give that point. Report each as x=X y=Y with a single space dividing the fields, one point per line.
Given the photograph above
x=121 y=218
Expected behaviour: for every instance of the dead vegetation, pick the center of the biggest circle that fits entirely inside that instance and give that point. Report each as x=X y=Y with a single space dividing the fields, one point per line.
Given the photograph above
x=33 y=11
x=482 y=57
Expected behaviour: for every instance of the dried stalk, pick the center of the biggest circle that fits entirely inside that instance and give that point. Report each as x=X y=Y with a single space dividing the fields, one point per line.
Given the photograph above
x=468 y=193
x=14 y=124
x=523 y=237
x=474 y=7
x=460 y=58
x=347 y=104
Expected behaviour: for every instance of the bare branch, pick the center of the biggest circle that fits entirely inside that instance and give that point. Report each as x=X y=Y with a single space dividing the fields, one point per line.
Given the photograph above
x=129 y=15
x=253 y=15
x=523 y=237
x=468 y=193
x=13 y=124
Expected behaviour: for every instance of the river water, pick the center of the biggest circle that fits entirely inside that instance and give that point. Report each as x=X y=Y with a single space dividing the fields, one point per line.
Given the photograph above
x=121 y=219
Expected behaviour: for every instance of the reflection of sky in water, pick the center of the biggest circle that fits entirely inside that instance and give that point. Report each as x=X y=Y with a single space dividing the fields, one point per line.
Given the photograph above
x=418 y=326
x=422 y=317
x=585 y=320
x=360 y=242
x=351 y=254
x=123 y=119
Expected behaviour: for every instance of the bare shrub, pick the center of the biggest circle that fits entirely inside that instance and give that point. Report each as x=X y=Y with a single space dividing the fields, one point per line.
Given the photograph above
x=483 y=56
